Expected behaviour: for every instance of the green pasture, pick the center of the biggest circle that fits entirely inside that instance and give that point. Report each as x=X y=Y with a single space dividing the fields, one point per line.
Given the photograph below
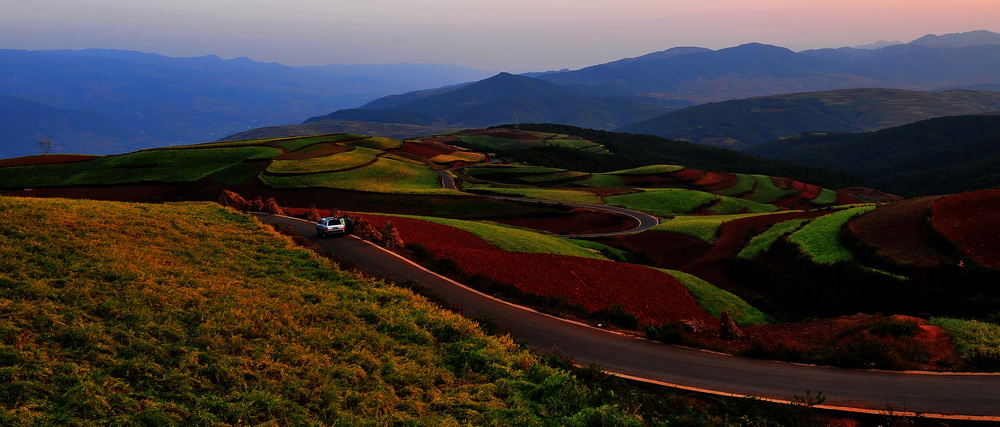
x=826 y=197
x=731 y=205
x=715 y=300
x=744 y=184
x=149 y=166
x=389 y=174
x=764 y=190
x=649 y=170
x=820 y=239
x=376 y=143
x=572 y=196
x=357 y=157
x=550 y=177
x=763 y=241
x=662 y=201
x=600 y=180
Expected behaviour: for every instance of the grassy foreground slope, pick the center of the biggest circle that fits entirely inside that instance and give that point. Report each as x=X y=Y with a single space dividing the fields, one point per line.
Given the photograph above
x=193 y=314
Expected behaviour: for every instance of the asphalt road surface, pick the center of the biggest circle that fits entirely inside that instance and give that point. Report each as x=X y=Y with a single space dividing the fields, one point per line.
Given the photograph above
x=969 y=396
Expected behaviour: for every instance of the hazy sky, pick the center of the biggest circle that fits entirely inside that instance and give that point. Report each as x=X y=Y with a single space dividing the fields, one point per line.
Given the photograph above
x=491 y=35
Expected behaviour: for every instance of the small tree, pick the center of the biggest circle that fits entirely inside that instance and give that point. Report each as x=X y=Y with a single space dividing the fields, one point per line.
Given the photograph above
x=365 y=230
x=271 y=207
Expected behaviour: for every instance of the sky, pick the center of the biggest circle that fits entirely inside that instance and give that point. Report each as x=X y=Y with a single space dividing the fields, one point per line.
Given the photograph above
x=490 y=35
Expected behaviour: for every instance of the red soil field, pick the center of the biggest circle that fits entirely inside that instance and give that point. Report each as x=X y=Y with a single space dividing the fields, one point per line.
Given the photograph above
x=971 y=221
x=817 y=334
x=426 y=149
x=715 y=181
x=316 y=150
x=577 y=221
x=45 y=160
x=667 y=250
x=899 y=232
x=689 y=174
x=654 y=297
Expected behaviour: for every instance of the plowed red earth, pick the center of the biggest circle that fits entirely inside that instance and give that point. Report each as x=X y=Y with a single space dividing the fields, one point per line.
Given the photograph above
x=899 y=232
x=689 y=174
x=578 y=221
x=316 y=150
x=654 y=297
x=667 y=250
x=815 y=335
x=971 y=221
x=426 y=149
x=45 y=160
x=712 y=181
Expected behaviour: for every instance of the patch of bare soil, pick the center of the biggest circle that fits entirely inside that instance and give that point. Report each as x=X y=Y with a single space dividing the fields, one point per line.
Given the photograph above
x=577 y=221
x=899 y=231
x=316 y=150
x=666 y=250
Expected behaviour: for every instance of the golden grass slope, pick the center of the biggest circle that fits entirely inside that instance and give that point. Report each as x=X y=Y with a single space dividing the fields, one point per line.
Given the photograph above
x=192 y=314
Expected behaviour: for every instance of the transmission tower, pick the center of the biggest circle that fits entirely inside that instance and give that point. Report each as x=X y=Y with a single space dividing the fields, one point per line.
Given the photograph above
x=45 y=144
x=517 y=122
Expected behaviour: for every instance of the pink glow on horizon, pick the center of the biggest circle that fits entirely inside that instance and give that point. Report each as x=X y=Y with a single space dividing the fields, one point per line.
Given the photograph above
x=512 y=35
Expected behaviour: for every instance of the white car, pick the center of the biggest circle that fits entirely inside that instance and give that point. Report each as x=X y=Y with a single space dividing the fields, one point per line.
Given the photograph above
x=332 y=225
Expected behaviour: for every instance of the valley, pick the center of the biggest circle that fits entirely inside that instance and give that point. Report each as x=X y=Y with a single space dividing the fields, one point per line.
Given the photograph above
x=791 y=263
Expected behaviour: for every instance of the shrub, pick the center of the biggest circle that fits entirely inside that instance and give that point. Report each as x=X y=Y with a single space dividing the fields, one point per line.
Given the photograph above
x=313 y=214
x=271 y=206
x=390 y=237
x=233 y=200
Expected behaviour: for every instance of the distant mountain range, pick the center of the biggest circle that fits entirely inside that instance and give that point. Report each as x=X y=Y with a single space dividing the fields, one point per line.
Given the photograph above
x=743 y=123
x=140 y=100
x=625 y=94
x=108 y=101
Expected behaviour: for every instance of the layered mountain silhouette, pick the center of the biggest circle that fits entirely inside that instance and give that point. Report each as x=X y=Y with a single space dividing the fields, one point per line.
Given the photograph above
x=156 y=100
x=743 y=123
x=506 y=98
x=607 y=96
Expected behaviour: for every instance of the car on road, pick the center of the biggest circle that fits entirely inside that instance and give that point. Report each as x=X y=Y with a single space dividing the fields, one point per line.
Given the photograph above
x=331 y=226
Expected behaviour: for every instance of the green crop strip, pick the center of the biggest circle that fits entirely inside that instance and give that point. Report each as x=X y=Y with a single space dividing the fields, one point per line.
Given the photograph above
x=349 y=159
x=820 y=239
x=662 y=202
x=715 y=300
x=763 y=241
x=166 y=166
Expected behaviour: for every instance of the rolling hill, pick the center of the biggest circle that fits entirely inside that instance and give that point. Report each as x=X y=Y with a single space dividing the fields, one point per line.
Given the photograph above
x=743 y=123
x=156 y=100
x=505 y=98
x=935 y=156
x=754 y=69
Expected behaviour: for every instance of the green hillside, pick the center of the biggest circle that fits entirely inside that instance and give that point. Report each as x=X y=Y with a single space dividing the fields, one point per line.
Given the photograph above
x=216 y=320
x=936 y=156
x=744 y=123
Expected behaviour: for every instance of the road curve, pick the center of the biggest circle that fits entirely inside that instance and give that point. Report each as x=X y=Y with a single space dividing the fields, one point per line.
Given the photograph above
x=943 y=395
x=645 y=221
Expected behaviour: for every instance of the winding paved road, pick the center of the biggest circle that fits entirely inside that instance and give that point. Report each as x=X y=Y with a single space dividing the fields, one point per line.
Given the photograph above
x=961 y=396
